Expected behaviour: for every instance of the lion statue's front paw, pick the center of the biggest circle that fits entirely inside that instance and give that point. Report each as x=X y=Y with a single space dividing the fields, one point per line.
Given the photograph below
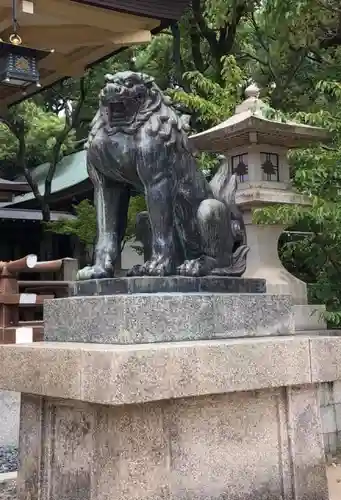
x=92 y=273
x=158 y=266
x=197 y=267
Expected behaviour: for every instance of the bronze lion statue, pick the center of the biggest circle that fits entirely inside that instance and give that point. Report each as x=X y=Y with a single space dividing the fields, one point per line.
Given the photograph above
x=138 y=143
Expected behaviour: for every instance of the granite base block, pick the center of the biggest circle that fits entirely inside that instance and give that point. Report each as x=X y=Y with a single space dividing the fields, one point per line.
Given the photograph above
x=128 y=374
x=241 y=446
x=169 y=284
x=146 y=318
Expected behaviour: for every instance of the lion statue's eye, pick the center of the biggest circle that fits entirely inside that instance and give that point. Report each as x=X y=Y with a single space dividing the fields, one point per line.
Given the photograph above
x=129 y=83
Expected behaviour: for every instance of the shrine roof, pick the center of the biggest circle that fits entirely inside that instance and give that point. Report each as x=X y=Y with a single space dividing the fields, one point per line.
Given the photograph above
x=14 y=186
x=80 y=33
x=71 y=171
x=166 y=10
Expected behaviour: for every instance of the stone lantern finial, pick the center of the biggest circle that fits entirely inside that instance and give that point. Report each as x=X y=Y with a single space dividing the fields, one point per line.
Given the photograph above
x=252 y=102
x=252 y=91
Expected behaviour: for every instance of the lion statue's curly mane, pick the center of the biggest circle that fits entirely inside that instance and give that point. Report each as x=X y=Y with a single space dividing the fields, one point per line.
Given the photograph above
x=155 y=112
x=138 y=143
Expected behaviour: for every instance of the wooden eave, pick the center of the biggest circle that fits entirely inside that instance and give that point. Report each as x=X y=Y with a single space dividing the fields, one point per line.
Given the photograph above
x=80 y=33
x=167 y=10
x=15 y=187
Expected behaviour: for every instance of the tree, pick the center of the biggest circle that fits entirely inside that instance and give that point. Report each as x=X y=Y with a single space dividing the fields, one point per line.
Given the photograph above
x=288 y=48
x=36 y=130
x=40 y=130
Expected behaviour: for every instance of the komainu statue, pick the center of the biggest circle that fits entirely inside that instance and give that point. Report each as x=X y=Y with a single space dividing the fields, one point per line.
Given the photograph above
x=138 y=142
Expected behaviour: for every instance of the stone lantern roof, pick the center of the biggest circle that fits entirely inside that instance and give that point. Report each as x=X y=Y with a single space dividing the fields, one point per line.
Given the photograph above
x=249 y=125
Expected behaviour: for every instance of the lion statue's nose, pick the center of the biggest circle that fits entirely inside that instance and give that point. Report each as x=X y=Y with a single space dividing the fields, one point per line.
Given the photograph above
x=113 y=88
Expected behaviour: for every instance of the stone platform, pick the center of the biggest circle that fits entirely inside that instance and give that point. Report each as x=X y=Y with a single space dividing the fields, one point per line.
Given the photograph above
x=235 y=419
x=166 y=317
x=169 y=284
x=174 y=395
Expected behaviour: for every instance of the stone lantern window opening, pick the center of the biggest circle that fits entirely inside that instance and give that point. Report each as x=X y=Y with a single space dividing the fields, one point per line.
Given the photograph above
x=270 y=166
x=240 y=166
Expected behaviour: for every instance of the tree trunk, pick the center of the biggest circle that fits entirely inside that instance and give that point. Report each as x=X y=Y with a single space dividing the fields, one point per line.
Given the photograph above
x=46 y=247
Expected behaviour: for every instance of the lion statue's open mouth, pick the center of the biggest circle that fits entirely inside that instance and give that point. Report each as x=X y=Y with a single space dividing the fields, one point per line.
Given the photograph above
x=121 y=112
x=122 y=97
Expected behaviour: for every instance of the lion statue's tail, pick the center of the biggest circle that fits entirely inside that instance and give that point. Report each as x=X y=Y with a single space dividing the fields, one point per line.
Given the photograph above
x=224 y=189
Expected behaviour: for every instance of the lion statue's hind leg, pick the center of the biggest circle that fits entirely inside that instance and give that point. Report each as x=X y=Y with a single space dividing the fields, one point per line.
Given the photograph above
x=214 y=223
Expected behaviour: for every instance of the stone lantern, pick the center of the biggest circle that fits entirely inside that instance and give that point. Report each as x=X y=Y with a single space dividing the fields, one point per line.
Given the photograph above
x=255 y=148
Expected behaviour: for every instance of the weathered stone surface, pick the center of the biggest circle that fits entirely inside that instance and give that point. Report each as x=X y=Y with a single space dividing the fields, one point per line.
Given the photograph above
x=304 y=422
x=108 y=374
x=173 y=284
x=31 y=436
x=144 y=318
x=240 y=446
x=57 y=370
x=9 y=423
x=309 y=317
x=8 y=490
x=325 y=358
x=118 y=375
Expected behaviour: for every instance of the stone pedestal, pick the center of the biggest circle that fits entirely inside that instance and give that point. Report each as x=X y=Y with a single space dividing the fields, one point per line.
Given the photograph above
x=171 y=396
x=240 y=446
x=263 y=261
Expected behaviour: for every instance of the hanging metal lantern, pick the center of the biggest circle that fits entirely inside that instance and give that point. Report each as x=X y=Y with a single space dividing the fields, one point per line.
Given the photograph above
x=18 y=64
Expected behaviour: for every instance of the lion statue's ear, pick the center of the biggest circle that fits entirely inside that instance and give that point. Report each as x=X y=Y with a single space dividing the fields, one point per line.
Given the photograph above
x=148 y=80
x=108 y=78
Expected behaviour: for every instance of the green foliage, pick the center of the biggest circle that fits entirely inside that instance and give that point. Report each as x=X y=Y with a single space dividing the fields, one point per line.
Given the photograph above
x=148 y=59
x=316 y=173
x=41 y=129
x=84 y=225
x=212 y=102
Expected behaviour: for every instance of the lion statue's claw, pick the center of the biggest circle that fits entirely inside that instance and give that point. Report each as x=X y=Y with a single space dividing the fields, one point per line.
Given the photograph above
x=197 y=267
x=136 y=270
x=159 y=266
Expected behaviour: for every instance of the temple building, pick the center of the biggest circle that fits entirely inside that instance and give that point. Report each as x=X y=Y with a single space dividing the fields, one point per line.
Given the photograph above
x=20 y=227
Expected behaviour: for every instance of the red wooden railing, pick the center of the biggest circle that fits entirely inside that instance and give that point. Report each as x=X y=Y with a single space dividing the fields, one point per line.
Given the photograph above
x=20 y=301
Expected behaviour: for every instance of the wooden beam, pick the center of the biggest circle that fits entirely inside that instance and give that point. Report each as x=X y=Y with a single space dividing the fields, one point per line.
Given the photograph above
x=93 y=16
x=63 y=66
x=64 y=36
x=132 y=38
x=3 y=109
x=5 y=20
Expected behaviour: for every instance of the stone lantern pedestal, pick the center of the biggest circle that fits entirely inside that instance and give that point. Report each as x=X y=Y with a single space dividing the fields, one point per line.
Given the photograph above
x=256 y=149
x=263 y=240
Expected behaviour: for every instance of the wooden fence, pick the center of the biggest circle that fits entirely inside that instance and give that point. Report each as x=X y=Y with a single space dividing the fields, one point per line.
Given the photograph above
x=21 y=302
